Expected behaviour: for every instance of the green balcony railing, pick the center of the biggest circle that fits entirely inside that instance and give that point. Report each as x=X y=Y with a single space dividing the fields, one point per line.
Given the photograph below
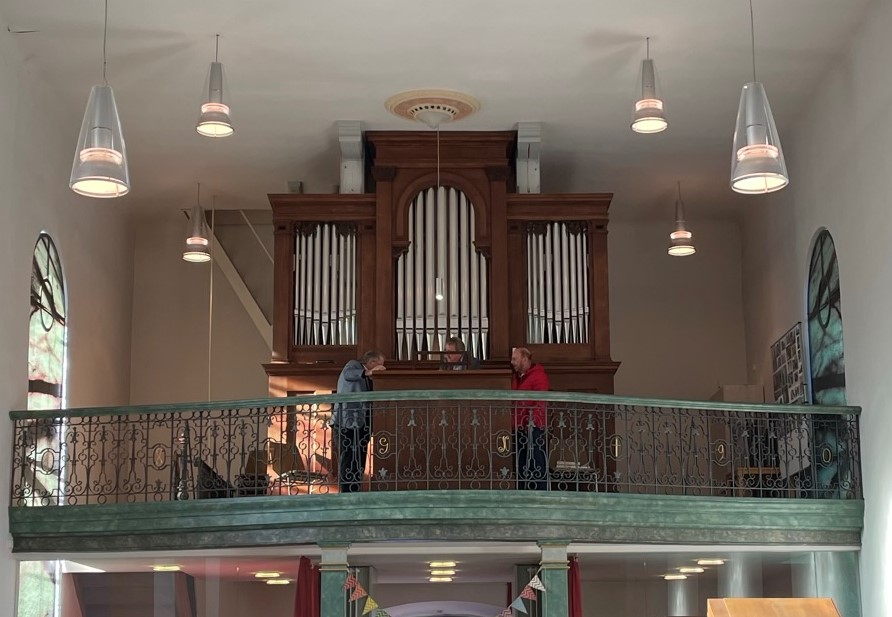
x=433 y=440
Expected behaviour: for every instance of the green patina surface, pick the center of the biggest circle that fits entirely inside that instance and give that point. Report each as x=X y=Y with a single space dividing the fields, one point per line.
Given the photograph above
x=483 y=396
x=436 y=515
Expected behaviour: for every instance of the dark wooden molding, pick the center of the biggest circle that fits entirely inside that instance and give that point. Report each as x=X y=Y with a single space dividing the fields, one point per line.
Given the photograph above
x=384 y=174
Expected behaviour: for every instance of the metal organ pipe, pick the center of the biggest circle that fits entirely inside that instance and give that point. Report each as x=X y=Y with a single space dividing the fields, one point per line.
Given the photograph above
x=441 y=247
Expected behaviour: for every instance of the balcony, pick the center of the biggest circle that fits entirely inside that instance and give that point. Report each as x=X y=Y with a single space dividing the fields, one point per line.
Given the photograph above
x=439 y=464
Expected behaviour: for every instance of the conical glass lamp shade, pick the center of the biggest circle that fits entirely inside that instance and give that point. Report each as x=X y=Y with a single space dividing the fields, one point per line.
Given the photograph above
x=215 y=119
x=198 y=241
x=100 y=161
x=681 y=240
x=648 y=116
x=757 y=160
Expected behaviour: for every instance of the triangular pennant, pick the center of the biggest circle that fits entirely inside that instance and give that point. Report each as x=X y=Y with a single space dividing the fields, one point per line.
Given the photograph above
x=528 y=593
x=382 y=613
x=535 y=583
x=358 y=593
x=506 y=613
x=518 y=605
x=351 y=582
x=370 y=605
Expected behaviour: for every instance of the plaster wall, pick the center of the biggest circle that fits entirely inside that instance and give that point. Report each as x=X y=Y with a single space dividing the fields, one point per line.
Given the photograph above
x=839 y=162
x=676 y=323
x=38 y=133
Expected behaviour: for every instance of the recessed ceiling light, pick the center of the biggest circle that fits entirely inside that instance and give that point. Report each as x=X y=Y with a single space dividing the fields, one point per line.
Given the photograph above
x=170 y=567
x=674 y=577
x=442 y=572
x=278 y=581
x=442 y=564
x=440 y=579
x=267 y=574
x=710 y=562
x=691 y=570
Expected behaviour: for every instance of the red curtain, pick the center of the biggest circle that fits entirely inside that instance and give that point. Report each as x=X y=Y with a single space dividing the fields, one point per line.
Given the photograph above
x=574 y=589
x=306 y=597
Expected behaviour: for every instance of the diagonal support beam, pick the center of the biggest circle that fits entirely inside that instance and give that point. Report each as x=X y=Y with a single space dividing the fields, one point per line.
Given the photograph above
x=242 y=293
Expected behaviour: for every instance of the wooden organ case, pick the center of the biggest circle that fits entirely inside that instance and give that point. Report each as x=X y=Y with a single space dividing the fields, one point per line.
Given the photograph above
x=402 y=268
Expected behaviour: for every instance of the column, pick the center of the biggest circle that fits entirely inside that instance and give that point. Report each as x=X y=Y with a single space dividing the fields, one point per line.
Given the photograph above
x=553 y=574
x=333 y=574
x=741 y=576
x=830 y=574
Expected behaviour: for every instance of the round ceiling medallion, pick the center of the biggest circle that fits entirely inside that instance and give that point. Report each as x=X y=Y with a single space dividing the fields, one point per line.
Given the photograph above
x=432 y=106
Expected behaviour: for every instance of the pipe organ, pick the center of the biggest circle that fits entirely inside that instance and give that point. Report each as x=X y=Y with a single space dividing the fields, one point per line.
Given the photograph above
x=442 y=246
x=441 y=280
x=325 y=284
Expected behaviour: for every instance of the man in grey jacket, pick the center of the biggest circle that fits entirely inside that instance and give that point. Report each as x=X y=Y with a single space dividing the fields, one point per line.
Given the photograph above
x=352 y=422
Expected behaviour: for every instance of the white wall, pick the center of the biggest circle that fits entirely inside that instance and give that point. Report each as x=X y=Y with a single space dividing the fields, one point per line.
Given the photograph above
x=215 y=598
x=170 y=325
x=676 y=323
x=840 y=162
x=37 y=139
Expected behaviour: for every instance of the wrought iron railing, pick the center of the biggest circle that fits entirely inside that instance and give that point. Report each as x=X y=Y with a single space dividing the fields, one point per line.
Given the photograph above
x=478 y=440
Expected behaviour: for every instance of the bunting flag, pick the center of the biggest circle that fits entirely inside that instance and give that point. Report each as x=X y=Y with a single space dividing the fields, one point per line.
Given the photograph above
x=505 y=613
x=351 y=582
x=358 y=593
x=528 y=593
x=535 y=583
x=518 y=605
x=370 y=605
x=382 y=613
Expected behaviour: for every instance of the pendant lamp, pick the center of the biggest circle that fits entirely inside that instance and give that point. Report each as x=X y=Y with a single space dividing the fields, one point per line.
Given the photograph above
x=100 y=160
x=757 y=160
x=215 y=119
x=198 y=239
x=648 y=116
x=681 y=240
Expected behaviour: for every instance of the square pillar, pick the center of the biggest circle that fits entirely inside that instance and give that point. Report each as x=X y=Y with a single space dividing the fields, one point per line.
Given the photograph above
x=553 y=574
x=333 y=599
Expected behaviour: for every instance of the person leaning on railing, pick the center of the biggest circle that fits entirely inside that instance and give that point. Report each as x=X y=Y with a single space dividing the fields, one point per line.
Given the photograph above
x=530 y=447
x=352 y=422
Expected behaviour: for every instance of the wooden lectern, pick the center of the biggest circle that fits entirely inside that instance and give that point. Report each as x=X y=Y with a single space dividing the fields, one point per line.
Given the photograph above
x=441 y=444
x=771 y=607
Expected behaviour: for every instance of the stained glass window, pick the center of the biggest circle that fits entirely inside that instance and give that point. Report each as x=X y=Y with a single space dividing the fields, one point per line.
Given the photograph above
x=39 y=580
x=46 y=351
x=831 y=471
x=828 y=369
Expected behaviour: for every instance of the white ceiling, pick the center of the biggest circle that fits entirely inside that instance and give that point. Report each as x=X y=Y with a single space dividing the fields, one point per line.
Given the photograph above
x=295 y=68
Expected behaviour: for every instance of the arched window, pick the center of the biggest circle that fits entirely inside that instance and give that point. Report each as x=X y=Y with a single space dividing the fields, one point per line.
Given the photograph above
x=828 y=369
x=46 y=344
x=831 y=471
x=39 y=580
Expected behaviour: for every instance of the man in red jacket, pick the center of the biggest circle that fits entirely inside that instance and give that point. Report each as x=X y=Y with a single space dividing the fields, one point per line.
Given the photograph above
x=530 y=444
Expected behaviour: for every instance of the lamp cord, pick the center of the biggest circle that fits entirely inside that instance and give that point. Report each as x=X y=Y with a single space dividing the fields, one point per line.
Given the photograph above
x=211 y=296
x=217 y=49
x=647 y=45
x=753 y=38
x=104 y=39
x=679 y=207
x=438 y=162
